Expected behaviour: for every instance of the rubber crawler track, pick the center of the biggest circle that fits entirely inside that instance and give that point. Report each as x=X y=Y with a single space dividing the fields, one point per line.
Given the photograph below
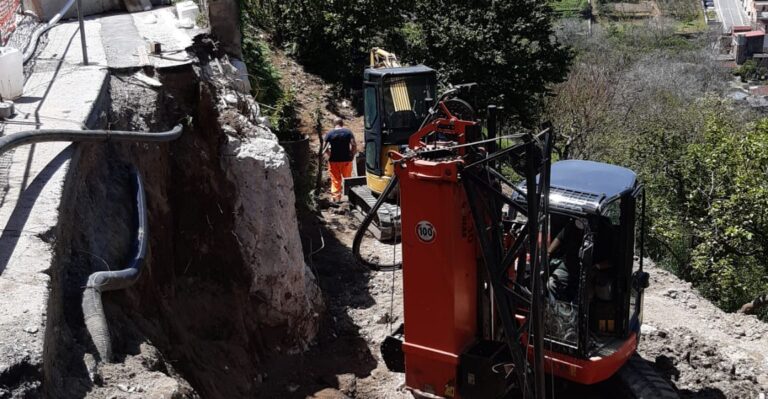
x=641 y=381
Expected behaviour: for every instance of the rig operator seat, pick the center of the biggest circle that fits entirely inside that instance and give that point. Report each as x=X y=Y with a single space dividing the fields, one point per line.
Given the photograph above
x=565 y=264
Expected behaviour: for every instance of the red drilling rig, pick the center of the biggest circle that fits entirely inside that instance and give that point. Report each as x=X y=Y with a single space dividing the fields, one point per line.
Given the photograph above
x=516 y=271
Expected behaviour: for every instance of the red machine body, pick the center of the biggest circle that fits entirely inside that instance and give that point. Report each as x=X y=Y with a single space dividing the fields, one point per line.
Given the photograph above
x=440 y=274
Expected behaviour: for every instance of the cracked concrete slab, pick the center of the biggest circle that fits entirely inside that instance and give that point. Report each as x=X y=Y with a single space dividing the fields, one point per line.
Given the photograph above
x=60 y=93
x=127 y=36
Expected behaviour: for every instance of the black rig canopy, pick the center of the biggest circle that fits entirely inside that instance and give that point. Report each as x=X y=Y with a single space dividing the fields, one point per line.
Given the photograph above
x=585 y=187
x=373 y=73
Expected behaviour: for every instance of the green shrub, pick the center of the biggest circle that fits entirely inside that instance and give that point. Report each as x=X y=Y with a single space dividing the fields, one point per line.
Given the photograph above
x=284 y=119
x=264 y=77
x=727 y=195
x=506 y=47
x=751 y=70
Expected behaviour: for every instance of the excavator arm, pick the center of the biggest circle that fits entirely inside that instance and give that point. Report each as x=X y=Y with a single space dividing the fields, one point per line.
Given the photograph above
x=383 y=59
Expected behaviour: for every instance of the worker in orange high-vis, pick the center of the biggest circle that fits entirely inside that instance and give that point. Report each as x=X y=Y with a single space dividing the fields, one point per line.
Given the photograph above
x=340 y=150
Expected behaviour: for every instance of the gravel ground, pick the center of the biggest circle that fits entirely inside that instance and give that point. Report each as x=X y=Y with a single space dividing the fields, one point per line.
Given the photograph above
x=705 y=352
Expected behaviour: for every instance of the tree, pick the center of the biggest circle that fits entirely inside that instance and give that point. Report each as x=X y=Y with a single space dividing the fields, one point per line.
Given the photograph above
x=508 y=47
x=332 y=38
x=726 y=200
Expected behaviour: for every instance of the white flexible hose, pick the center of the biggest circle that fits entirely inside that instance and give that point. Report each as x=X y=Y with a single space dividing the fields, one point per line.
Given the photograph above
x=32 y=46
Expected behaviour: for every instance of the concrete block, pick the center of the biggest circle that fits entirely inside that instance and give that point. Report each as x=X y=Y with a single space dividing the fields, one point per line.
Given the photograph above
x=12 y=78
x=187 y=10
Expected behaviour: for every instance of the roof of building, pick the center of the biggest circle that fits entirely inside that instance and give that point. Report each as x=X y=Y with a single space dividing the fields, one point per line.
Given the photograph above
x=759 y=90
x=753 y=33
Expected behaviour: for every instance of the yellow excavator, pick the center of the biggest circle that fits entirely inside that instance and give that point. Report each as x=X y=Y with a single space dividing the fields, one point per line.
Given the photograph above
x=397 y=100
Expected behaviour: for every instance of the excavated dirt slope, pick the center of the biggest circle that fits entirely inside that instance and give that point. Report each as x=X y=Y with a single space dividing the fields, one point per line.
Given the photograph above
x=704 y=351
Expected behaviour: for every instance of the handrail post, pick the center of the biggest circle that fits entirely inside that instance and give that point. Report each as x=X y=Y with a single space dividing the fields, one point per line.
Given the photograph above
x=82 y=32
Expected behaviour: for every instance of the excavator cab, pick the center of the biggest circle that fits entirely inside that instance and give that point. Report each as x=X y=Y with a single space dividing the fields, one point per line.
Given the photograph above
x=597 y=312
x=397 y=100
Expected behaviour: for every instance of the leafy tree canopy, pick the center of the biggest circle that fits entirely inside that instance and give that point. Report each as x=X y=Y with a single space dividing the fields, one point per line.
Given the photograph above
x=506 y=46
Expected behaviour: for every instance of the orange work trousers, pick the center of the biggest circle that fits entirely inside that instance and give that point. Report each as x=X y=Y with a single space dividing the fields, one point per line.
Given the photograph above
x=338 y=171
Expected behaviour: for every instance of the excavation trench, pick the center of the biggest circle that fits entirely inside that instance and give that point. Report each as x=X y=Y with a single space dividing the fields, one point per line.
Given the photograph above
x=224 y=285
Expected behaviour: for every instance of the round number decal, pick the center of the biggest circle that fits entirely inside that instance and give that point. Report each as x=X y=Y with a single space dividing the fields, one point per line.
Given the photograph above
x=425 y=231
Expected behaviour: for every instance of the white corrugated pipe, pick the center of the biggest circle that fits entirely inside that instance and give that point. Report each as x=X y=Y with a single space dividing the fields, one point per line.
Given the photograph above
x=32 y=46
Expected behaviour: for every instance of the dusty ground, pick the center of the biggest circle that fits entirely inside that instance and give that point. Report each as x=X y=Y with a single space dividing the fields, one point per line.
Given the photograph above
x=703 y=351
x=706 y=352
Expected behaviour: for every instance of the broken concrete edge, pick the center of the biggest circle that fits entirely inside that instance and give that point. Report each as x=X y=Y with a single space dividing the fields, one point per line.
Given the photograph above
x=266 y=224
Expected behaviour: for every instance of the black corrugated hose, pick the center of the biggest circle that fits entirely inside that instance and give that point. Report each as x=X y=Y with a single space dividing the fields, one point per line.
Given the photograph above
x=43 y=135
x=364 y=227
x=93 y=311
x=98 y=282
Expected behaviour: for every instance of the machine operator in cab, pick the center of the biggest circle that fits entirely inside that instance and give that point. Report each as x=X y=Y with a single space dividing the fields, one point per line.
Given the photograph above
x=564 y=261
x=340 y=150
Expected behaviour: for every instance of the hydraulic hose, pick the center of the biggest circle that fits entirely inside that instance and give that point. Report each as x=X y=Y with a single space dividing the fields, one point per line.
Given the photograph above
x=32 y=46
x=12 y=141
x=364 y=227
x=93 y=311
x=98 y=282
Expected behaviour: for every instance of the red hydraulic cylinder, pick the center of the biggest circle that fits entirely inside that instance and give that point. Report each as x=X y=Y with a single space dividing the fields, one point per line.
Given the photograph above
x=439 y=274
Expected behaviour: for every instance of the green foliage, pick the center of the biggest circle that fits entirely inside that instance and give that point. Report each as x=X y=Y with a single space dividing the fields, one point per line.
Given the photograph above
x=638 y=38
x=333 y=38
x=505 y=46
x=681 y=10
x=264 y=77
x=706 y=193
x=569 y=8
x=725 y=202
x=284 y=119
x=751 y=70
